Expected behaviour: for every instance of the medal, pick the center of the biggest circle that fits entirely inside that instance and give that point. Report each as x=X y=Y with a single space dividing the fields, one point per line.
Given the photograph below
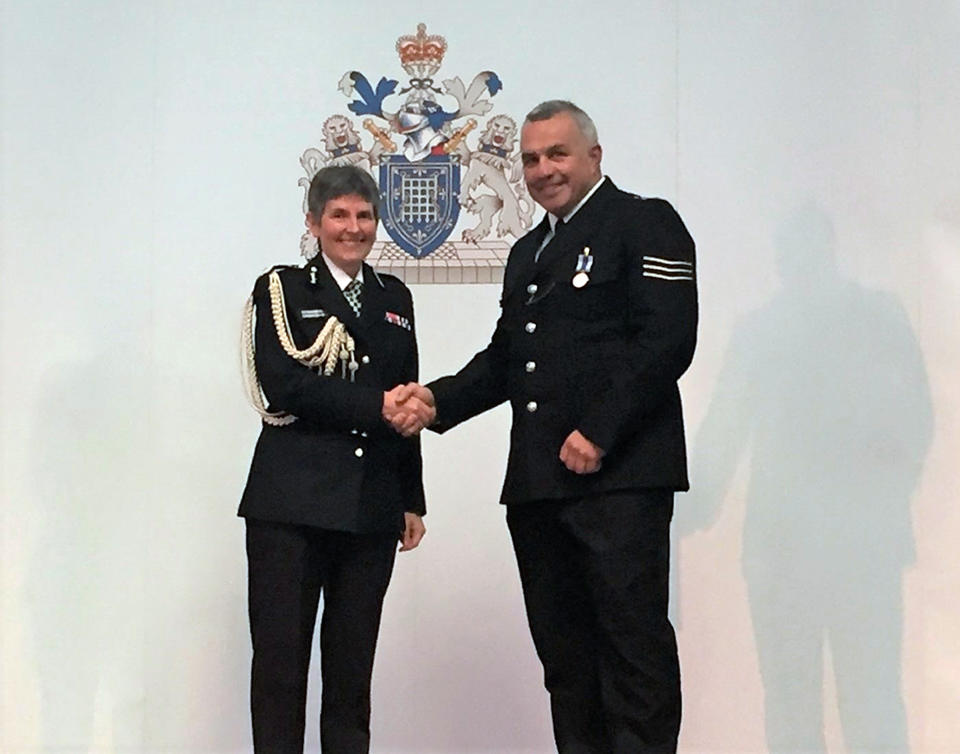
x=584 y=265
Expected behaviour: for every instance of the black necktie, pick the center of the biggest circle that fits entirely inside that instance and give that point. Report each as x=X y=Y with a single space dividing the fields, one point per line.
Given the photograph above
x=557 y=229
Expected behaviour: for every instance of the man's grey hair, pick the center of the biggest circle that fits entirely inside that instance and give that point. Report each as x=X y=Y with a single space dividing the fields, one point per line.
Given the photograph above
x=341 y=180
x=552 y=107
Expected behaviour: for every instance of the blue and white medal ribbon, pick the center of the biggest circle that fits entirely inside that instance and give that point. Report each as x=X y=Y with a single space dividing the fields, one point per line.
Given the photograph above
x=584 y=265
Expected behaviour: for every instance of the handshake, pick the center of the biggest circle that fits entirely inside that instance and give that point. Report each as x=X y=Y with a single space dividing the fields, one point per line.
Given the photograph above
x=409 y=408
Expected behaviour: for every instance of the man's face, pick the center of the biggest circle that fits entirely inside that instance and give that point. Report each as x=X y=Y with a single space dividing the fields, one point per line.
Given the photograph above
x=559 y=164
x=346 y=230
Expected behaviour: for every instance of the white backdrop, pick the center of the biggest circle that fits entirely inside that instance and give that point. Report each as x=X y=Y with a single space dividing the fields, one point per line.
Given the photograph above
x=149 y=173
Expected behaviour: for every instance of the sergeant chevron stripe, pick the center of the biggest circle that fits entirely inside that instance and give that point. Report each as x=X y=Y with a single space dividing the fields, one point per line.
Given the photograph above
x=667 y=269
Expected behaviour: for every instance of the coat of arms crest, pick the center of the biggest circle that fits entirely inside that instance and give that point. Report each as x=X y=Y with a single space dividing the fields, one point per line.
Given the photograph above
x=433 y=174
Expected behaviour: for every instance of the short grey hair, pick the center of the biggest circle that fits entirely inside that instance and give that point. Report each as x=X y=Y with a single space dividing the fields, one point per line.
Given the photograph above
x=551 y=107
x=342 y=180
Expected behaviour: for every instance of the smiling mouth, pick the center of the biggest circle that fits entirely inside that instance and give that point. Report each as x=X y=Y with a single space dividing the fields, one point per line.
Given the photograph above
x=550 y=188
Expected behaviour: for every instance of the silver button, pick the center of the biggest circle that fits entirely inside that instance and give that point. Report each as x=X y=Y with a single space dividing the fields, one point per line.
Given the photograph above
x=532 y=406
x=358 y=452
x=532 y=288
x=354 y=431
x=365 y=359
x=530 y=326
x=363 y=434
x=530 y=366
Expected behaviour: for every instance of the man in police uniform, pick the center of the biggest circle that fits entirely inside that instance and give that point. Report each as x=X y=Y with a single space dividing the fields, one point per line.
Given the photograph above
x=329 y=493
x=598 y=322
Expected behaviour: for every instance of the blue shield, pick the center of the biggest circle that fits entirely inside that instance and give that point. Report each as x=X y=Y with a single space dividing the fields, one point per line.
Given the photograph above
x=419 y=201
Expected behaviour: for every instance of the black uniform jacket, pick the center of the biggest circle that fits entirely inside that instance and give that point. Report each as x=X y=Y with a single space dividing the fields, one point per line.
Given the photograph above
x=603 y=358
x=339 y=466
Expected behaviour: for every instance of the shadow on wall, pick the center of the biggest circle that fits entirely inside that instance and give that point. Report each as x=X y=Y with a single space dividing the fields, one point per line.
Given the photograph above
x=85 y=585
x=825 y=388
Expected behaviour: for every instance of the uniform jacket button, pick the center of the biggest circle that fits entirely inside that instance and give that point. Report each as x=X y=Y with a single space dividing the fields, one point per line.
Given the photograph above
x=530 y=366
x=532 y=406
x=358 y=452
x=365 y=359
x=530 y=326
x=532 y=288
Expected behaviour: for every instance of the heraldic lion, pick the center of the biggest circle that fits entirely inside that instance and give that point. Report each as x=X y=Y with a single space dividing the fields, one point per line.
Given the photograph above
x=342 y=143
x=494 y=166
x=343 y=147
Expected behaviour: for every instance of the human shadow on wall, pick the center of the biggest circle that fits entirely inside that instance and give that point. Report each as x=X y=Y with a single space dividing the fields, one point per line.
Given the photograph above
x=84 y=585
x=825 y=388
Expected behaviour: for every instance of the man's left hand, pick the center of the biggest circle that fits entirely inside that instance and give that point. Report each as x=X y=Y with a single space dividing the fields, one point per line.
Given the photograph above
x=580 y=455
x=413 y=531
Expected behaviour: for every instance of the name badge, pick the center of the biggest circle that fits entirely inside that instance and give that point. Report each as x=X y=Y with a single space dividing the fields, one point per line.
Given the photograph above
x=312 y=314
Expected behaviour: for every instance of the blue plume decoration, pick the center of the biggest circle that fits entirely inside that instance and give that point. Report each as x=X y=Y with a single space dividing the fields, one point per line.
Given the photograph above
x=494 y=84
x=436 y=116
x=370 y=102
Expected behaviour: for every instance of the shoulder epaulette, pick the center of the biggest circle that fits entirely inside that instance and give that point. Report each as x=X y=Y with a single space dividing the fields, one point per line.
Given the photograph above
x=278 y=268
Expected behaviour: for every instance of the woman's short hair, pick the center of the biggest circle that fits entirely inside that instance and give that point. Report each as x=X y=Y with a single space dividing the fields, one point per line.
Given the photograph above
x=341 y=180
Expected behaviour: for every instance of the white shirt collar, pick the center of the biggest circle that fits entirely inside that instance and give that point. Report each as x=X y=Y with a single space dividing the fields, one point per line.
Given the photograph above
x=552 y=219
x=341 y=277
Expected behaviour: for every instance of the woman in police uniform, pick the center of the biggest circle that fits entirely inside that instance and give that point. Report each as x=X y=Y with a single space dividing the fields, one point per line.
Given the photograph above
x=333 y=484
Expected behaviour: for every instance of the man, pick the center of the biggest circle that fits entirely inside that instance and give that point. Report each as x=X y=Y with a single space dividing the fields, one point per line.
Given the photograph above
x=598 y=322
x=333 y=483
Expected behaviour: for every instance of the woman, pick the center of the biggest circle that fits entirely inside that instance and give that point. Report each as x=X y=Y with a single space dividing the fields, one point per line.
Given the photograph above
x=336 y=474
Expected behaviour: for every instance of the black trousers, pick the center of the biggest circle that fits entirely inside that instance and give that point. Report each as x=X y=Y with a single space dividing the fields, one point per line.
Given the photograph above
x=595 y=575
x=288 y=566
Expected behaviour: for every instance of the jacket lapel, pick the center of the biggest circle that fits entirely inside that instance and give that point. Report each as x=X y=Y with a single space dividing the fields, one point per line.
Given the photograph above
x=373 y=299
x=522 y=257
x=577 y=233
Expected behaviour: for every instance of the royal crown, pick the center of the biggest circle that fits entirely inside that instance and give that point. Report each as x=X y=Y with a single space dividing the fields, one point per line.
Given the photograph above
x=421 y=55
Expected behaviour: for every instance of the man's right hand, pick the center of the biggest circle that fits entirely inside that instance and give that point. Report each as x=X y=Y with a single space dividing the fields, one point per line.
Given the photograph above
x=408 y=408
